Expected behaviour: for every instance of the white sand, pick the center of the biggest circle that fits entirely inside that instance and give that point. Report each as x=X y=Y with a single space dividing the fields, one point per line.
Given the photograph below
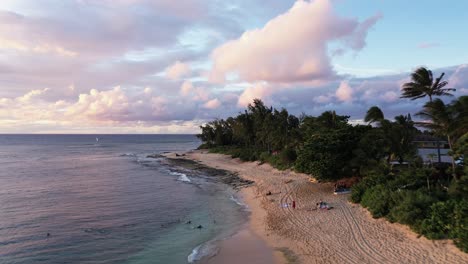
x=345 y=234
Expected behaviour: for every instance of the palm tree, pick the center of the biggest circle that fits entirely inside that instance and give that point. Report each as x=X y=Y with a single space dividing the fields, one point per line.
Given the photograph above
x=460 y=112
x=374 y=114
x=423 y=84
x=443 y=121
x=403 y=132
x=329 y=119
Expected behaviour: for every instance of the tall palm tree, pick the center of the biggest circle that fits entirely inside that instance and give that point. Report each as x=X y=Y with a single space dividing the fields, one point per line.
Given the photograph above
x=443 y=121
x=423 y=84
x=374 y=114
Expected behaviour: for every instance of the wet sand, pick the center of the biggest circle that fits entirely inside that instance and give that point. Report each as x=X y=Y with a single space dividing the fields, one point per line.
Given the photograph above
x=345 y=234
x=243 y=247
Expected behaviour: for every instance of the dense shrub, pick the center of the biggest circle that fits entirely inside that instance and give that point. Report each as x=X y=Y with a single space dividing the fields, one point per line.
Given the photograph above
x=378 y=200
x=326 y=156
x=439 y=222
x=288 y=155
x=375 y=177
x=264 y=156
x=459 y=189
x=460 y=229
x=410 y=207
x=357 y=192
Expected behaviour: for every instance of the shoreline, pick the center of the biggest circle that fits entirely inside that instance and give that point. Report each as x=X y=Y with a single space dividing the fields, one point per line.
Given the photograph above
x=245 y=244
x=345 y=234
x=248 y=245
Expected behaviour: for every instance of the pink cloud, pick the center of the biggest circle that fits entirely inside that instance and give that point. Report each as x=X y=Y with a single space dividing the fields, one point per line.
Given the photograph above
x=344 y=92
x=28 y=97
x=390 y=96
x=186 y=88
x=101 y=105
x=258 y=91
x=212 y=104
x=114 y=107
x=291 y=47
x=177 y=70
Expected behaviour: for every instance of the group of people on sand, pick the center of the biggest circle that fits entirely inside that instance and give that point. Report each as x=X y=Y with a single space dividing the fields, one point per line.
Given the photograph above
x=319 y=205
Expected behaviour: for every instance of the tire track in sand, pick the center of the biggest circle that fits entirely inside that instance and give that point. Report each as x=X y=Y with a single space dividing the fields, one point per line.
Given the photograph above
x=359 y=240
x=303 y=227
x=358 y=231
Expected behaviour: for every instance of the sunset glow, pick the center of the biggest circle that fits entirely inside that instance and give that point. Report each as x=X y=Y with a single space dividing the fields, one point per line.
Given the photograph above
x=141 y=66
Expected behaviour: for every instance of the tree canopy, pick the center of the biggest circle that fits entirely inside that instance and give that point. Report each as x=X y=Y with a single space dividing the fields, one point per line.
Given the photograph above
x=423 y=84
x=329 y=148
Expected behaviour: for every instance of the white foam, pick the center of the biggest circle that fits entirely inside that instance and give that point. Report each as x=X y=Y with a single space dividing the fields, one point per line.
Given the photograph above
x=194 y=255
x=234 y=199
x=206 y=250
x=182 y=177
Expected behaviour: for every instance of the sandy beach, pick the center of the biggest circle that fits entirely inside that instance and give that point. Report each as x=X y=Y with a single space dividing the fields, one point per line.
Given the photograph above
x=345 y=234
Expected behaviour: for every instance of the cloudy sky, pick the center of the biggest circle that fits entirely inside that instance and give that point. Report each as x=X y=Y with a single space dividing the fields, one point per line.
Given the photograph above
x=165 y=66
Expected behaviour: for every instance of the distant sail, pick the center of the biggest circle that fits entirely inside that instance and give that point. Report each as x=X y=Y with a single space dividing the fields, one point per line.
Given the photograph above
x=97 y=139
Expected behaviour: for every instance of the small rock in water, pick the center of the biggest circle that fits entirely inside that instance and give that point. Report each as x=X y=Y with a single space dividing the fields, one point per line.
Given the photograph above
x=199 y=226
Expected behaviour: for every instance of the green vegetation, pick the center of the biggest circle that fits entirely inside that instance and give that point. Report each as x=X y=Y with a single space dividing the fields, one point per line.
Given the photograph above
x=422 y=196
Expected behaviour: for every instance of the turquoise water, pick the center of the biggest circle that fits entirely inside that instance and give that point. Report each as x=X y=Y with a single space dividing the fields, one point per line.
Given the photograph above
x=104 y=201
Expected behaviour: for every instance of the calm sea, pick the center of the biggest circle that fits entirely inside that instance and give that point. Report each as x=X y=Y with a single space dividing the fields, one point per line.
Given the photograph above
x=100 y=199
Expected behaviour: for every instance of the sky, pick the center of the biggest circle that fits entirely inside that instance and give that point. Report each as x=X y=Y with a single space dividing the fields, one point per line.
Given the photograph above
x=164 y=66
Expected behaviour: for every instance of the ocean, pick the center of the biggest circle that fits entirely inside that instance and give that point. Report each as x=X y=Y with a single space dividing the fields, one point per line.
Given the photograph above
x=101 y=199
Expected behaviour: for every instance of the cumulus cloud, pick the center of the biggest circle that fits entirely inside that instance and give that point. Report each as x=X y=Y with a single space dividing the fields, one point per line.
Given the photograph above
x=96 y=108
x=101 y=105
x=212 y=104
x=150 y=110
x=140 y=65
x=177 y=70
x=344 y=92
x=292 y=46
x=390 y=96
x=186 y=88
x=258 y=91
x=113 y=42
x=28 y=97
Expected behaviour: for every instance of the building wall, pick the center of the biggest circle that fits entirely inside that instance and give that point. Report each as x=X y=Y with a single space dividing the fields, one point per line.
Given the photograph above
x=425 y=154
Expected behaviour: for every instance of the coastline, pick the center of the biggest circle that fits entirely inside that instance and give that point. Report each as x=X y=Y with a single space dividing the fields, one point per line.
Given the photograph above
x=244 y=245
x=248 y=245
x=345 y=234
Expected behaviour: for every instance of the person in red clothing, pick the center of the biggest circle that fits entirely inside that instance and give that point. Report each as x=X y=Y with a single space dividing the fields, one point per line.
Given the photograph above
x=294 y=204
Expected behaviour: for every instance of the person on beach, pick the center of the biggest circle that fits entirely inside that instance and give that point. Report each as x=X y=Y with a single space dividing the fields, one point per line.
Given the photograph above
x=294 y=204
